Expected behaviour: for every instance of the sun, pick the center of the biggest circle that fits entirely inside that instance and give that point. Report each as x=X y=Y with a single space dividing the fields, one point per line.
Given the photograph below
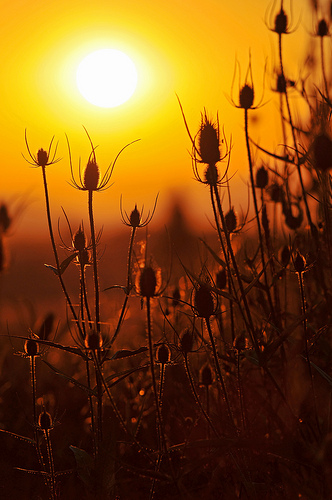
x=106 y=78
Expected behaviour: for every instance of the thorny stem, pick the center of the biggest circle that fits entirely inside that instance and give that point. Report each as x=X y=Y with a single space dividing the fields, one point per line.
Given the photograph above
x=218 y=370
x=305 y=336
x=35 y=420
x=50 y=462
x=94 y=258
x=323 y=66
x=50 y=227
x=197 y=399
x=128 y=286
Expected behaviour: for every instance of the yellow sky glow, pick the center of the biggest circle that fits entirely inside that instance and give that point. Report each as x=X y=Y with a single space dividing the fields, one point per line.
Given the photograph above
x=178 y=47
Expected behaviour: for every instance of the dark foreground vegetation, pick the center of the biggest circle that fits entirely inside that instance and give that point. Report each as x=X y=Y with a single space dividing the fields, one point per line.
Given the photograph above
x=208 y=379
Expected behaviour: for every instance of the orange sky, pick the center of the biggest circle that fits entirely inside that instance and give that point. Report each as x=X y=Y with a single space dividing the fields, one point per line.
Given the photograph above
x=178 y=46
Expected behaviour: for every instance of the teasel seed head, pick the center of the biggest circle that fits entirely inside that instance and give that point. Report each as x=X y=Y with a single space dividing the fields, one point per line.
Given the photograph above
x=163 y=354
x=93 y=341
x=203 y=301
x=322 y=152
x=231 y=220
x=299 y=263
x=91 y=176
x=208 y=142
x=79 y=240
x=322 y=28
x=135 y=217
x=45 y=421
x=206 y=376
x=246 y=96
x=281 y=22
x=31 y=348
x=221 y=279
x=262 y=177
x=186 y=341
x=42 y=157
x=147 y=282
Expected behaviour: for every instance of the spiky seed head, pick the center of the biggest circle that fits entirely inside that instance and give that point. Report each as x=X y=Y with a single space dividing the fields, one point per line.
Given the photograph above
x=45 y=421
x=203 y=301
x=176 y=296
x=31 y=347
x=231 y=220
x=208 y=142
x=186 y=341
x=322 y=28
x=206 y=376
x=79 y=240
x=276 y=193
x=292 y=221
x=93 y=341
x=221 y=279
x=281 y=84
x=211 y=175
x=299 y=263
x=5 y=220
x=91 y=176
x=240 y=342
x=163 y=354
x=322 y=152
x=135 y=217
x=147 y=282
x=262 y=177
x=42 y=157
x=281 y=22
x=285 y=256
x=246 y=96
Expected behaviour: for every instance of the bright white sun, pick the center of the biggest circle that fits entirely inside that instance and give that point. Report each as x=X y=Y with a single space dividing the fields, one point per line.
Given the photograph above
x=106 y=78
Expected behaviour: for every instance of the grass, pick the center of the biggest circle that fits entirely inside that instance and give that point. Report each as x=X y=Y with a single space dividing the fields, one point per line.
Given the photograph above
x=211 y=382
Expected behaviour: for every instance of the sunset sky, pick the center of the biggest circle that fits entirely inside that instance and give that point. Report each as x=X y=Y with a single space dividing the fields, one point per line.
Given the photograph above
x=178 y=47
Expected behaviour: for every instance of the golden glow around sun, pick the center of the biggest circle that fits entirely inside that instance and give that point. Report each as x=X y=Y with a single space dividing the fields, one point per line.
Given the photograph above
x=106 y=78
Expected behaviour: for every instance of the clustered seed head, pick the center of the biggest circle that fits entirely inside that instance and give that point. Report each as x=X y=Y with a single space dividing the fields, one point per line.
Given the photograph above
x=5 y=220
x=147 y=282
x=79 y=240
x=208 y=142
x=206 y=376
x=322 y=152
x=91 y=176
x=281 y=22
x=285 y=256
x=293 y=221
x=211 y=175
x=31 y=348
x=42 y=157
x=281 y=84
x=246 y=96
x=322 y=28
x=299 y=263
x=93 y=341
x=163 y=354
x=231 y=220
x=186 y=341
x=203 y=301
x=45 y=421
x=240 y=342
x=221 y=279
x=262 y=177
x=276 y=193
x=135 y=217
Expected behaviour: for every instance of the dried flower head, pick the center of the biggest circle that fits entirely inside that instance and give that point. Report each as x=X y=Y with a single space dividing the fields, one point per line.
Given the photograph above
x=208 y=141
x=93 y=341
x=163 y=354
x=31 y=348
x=322 y=29
x=147 y=282
x=45 y=421
x=262 y=177
x=231 y=220
x=246 y=97
x=206 y=376
x=204 y=301
x=135 y=219
x=322 y=152
x=42 y=158
x=186 y=341
x=299 y=263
